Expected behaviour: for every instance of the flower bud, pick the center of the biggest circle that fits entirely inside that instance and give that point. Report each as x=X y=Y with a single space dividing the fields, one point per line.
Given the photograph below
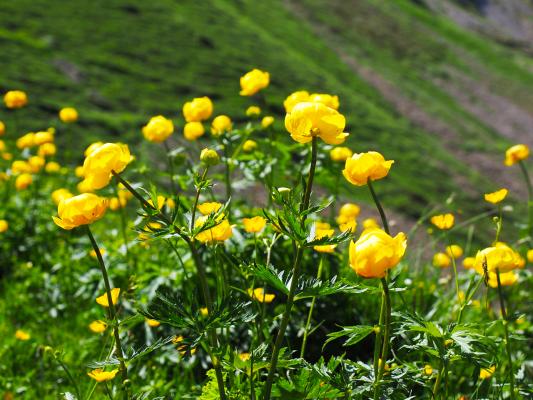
x=209 y=157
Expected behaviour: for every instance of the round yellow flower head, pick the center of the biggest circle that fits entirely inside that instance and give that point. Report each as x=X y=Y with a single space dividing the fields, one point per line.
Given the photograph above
x=267 y=121
x=68 y=115
x=300 y=96
x=209 y=157
x=204 y=311
x=254 y=224
x=443 y=221
x=47 y=149
x=26 y=141
x=364 y=166
x=193 y=130
x=428 y=369
x=153 y=323
x=99 y=375
x=2 y=146
x=244 y=356
x=101 y=161
x=22 y=335
x=15 y=99
x=249 y=146
x=468 y=262
x=253 y=81
x=92 y=147
x=209 y=207
x=4 y=226
x=530 y=255
x=36 y=163
x=98 y=326
x=61 y=194
x=349 y=225
x=23 y=181
x=43 y=137
x=486 y=373
x=506 y=279
x=315 y=119
x=370 y=223
x=197 y=110
x=253 y=111
x=499 y=257
x=260 y=295
x=219 y=233
x=158 y=129
x=20 y=166
x=351 y=210
x=454 y=251
x=2 y=128
x=52 y=167
x=104 y=302
x=340 y=154
x=376 y=252
x=496 y=197
x=7 y=156
x=441 y=260
x=515 y=154
x=326 y=99
x=79 y=210
x=325 y=248
x=220 y=125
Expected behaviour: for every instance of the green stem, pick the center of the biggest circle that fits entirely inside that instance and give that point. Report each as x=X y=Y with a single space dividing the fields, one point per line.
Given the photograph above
x=379 y=334
x=122 y=223
x=170 y=168
x=530 y=199
x=196 y=198
x=294 y=280
x=386 y=336
x=379 y=207
x=455 y=275
x=69 y=376
x=112 y=312
x=436 y=386
x=227 y=175
x=506 y=329
x=311 y=308
x=499 y=223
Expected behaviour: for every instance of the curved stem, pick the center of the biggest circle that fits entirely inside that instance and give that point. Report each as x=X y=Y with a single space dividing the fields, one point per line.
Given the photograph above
x=506 y=329
x=112 y=311
x=455 y=276
x=386 y=336
x=311 y=308
x=295 y=277
x=379 y=207
x=197 y=197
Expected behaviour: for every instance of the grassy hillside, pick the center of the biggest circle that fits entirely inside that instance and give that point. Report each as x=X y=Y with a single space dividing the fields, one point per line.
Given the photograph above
x=122 y=62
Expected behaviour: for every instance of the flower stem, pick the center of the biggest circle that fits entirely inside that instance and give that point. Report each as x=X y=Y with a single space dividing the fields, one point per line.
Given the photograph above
x=295 y=277
x=311 y=308
x=170 y=168
x=112 y=312
x=196 y=198
x=379 y=334
x=506 y=329
x=455 y=275
x=122 y=222
x=530 y=199
x=386 y=336
x=379 y=207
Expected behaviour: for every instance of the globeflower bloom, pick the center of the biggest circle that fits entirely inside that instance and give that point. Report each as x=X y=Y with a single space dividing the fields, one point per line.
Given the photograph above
x=515 y=154
x=101 y=161
x=441 y=260
x=158 y=129
x=486 y=373
x=98 y=326
x=300 y=96
x=193 y=130
x=375 y=252
x=496 y=197
x=4 y=226
x=253 y=111
x=220 y=125
x=219 y=233
x=267 y=121
x=506 y=279
x=26 y=141
x=454 y=251
x=23 y=181
x=326 y=99
x=22 y=335
x=46 y=149
x=260 y=295
x=52 y=167
x=307 y=120
x=197 y=110
x=340 y=154
x=324 y=248
x=61 y=194
x=209 y=157
x=249 y=146
x=364 y=166
x=468 y=262
x=15 y=99
x=43 y=137
x=79 y=210
x=99 y=375
x=254 y=224
x=103 y=301
x=68 y=115
x=497 y=258
x=443 y=221
x=253 y=81
x=2 y=128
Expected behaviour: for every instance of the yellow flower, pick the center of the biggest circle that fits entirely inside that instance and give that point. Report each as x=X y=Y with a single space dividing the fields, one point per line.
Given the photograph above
x=158 y=129
x=364 y=166
x=2 y=146
x=515 y=154
x=499 y=257
x=267 y=121
x=99 y=375
x=92 y=253
x=253 y=111
x=209 y=207
x=340 y=154
x=23 y=181
x=441 y=260
x=98 y=326
x=253 y=81
x=102 y=300
x=61 y=194
x=443 y=221
x=349 y=225
x=506 y=279
x=244 y=356
x=300 y=96
x=468 y=262
x=197 y=110
x=52 y=167
x=209 y=157
x=486 y=373
x=193 y=130
x=260 y=295
x=101 y=161
x=92 y=147
x=219 y=233
x=161 y=201
x=428 y=369
x=4 y=226
x=496 y=197
x=375 y=252
x=43 y=137
x=530 y=255
x=78 y=171
x=2 y=128
x=325 y=248
x=46 y=149
x=249 y=146
x=68 y=115
x=152 y=322
x=26 y=141
x=79 y=210
x=204 y=311
x=15 y=99
x=254 y=224
x=220 y=125
x=19 y=166
x=351 y=210
x=315 y=119
x=36 y=163
x=326 y=99
x=454 y=251
x=22 y=335
x=7 y=156
x=370 y=223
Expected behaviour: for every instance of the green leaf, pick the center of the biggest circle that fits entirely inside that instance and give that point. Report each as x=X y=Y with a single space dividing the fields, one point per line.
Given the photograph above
x=354 y=334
